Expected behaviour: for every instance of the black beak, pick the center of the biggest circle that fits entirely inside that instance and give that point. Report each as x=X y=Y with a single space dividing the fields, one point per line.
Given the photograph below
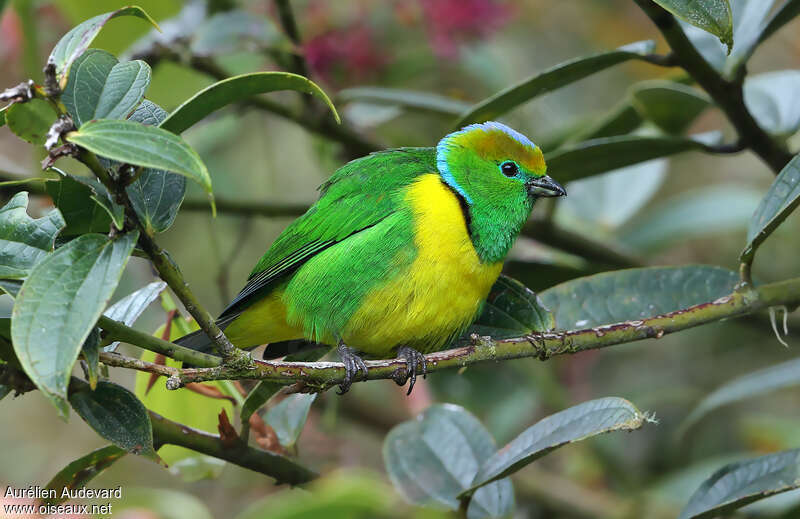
x=545 y=187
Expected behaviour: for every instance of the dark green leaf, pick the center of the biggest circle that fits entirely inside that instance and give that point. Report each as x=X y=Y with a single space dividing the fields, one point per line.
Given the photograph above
x=785 y=374
x=87 y=79
x=785 y=13
x=434 y=458
x=81 y=471
x=91 y=353
x=235 y=89
x=138 y=144
x=123 y=90
x=735 y=485
x=568 y=426
x=782 y=198
x=77 y=40
x=697 y=212
x=23 y=240
x=409 y=99
x=59 y=304
x=76 y=199
x=622 y=119
x=116 y=415
x=30 y=121
x=632 y=294
x=232 y=31
x=608 y=153
x=130 y=307
x=770 y=98
x=511 y=310
x=156 y=195
x=551 y=79
x=713 y=16
x=289 y=416
x=671 y=106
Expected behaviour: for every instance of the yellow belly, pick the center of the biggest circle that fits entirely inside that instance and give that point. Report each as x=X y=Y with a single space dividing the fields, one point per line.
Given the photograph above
x=441 y=291
x=264 y=321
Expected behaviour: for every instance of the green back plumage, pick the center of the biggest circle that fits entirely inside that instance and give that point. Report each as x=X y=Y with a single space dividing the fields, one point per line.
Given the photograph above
x=358 y=196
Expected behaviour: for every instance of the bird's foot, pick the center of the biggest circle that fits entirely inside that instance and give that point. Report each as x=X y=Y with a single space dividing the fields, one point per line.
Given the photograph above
x=352 y=365
x=413 y=359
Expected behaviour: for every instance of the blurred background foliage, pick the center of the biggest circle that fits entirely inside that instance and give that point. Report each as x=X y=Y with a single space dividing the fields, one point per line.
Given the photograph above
x=691 y=208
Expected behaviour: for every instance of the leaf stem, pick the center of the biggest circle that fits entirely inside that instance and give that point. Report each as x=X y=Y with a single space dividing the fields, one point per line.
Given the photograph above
x=728 y=94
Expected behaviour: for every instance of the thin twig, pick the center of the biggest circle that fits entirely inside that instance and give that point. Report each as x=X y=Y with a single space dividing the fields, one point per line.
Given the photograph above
x=121 y=361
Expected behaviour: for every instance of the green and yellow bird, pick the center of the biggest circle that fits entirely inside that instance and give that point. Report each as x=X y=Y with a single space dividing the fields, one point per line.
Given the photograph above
x=398 y=254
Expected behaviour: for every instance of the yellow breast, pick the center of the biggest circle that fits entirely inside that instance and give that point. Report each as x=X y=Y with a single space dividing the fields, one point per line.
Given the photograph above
x=440 y=292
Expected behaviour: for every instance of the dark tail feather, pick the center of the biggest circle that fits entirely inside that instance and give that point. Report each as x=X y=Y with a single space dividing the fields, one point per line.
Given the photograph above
x=197 y=341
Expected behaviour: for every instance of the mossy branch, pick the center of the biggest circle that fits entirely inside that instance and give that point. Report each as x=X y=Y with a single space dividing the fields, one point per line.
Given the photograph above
x=320 y=376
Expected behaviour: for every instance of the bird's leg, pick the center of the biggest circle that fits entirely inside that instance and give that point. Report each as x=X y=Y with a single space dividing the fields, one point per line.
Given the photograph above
x=352 y=365
x=413 y=359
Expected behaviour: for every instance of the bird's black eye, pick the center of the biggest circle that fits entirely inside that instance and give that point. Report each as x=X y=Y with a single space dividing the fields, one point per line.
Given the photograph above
x=509 y=168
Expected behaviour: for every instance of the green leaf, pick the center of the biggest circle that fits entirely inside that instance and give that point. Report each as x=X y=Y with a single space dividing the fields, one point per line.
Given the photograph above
x=59 y=304
x=232 y=31
x=197 y=468
x=785 y=374
x=770 y=98
x=24 y=240
x=124 y=90
x=116 y=415
x=621 y=119
x=670 y=106
x=156 y=195
x=713 y=16
x=632 y=294
x=76 y=198
x=610 y=199
x=77 y=40
x=87 y=79
x=785 y=14
x=735 y=485
x=91 y=353
x=568 y=426
x=511 y=310
x=81 y=471
x=30 y=121
x=608 y=153
x=551 y=79
x=289 y=416
x=236 y=89
x=130 y=307
x=408 y=99
x=781 y=199
x=697 y=212
x=138 y=144
x=434 y=458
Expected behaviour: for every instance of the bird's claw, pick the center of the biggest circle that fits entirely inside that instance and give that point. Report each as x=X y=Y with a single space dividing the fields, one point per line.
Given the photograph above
x=413 y=359
x=352 y=365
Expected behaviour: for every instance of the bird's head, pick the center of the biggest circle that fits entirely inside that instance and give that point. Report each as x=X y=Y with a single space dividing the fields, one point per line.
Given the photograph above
x=492 y=163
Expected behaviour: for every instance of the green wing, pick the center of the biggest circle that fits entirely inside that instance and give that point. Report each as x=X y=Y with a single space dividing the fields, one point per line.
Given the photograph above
x=359 y=195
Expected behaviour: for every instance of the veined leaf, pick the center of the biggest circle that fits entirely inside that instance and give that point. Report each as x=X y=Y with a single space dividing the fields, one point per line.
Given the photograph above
x=130 y=307
x=713 y=16
x=116 y=415
x=235 y=89
x=608 y=153
x=23 y=240
x=782 y=198
x=568 y=426
x=81 y=471
x=59 y=304
x=631 y=294
x=138 y=144
x=433 y=459
x=511 y=310
x=30 y=121
x=409 y=99
x=785 y=374
x=77 y=40
x=738 y=484
x=549 y=80
x=77 y=202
